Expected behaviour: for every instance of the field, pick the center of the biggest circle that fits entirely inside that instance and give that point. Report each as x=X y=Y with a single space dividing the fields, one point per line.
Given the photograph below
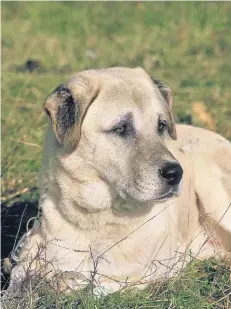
x=185 y=44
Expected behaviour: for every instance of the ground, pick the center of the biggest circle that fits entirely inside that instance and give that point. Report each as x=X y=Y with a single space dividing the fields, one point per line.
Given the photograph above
x=185 y=44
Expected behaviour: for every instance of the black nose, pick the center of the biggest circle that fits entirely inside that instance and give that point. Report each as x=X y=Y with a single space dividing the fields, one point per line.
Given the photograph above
x=172 y=173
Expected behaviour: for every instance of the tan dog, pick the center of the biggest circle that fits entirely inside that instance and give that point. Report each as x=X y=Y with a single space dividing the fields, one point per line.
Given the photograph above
x=116 y=211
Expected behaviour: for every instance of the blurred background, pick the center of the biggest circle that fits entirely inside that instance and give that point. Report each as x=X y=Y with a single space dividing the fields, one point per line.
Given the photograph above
x=185 y=44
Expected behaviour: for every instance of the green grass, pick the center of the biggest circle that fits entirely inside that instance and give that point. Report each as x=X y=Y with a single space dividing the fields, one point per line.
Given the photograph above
x=185 y=44
x=200 y=286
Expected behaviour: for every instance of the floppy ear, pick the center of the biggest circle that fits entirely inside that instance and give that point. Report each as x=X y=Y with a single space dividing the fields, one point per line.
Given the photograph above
x=166 y=94
x=165 y=91
x=67 y=106
x=64 y=112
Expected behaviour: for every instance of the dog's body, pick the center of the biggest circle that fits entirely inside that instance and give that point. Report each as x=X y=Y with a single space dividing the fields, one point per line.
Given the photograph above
x=112 y=209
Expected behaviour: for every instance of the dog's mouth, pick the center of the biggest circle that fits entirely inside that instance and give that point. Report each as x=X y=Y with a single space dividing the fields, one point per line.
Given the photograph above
x=165 y=196
x=173 y=192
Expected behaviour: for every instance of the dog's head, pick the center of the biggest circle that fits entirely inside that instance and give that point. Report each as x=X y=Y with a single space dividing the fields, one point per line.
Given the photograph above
x=118 y=121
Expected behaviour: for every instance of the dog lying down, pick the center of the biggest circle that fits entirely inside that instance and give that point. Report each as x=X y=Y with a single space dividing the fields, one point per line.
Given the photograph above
x=127 y=196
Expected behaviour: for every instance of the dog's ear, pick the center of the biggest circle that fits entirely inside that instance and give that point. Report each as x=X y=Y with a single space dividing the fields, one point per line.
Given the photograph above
x=166 y=94
x=63 y=112
x=67 y=106
x=165 y=91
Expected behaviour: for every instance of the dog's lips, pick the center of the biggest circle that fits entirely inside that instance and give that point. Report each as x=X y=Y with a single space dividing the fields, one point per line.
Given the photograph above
x=171 y=193
x=165 y=196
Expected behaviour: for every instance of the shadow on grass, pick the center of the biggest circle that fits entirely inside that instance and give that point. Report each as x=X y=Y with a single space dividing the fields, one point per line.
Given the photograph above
x=13 y=225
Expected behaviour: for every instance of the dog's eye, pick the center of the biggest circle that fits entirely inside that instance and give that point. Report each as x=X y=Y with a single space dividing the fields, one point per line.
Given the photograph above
x=123 y=128
x=120 y=130
x=162 y=125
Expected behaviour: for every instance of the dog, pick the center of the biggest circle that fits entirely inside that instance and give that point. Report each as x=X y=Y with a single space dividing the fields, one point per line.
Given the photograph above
x=127 y=196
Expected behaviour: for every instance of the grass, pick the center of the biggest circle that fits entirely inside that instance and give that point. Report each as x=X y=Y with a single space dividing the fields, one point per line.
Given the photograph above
x=200 y=286
x=185 y=44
